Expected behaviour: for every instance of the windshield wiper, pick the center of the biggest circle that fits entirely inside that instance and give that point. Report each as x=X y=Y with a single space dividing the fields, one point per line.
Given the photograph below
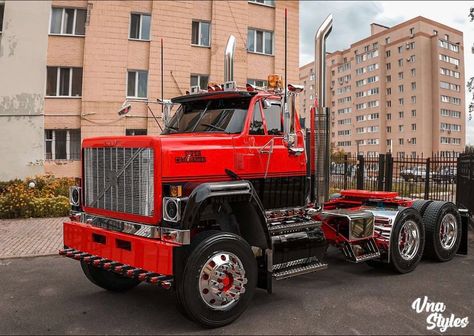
x=201 y=116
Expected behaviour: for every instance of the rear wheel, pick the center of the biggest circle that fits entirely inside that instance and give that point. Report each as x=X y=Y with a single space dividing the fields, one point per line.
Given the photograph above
x=108 y=280
x=421 y=205
x=219 y=279
x=407 y=241
x=443 y=230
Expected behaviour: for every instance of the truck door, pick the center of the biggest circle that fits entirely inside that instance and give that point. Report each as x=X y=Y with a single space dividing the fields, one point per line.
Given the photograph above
x=284 y=173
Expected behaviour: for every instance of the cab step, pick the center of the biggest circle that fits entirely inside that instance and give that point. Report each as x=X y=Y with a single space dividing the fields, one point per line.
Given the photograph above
x=360 y=251
x=297 y=267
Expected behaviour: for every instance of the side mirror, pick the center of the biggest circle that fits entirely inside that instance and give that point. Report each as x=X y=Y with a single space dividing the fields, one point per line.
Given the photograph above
x=266 y=104
x=168 y=105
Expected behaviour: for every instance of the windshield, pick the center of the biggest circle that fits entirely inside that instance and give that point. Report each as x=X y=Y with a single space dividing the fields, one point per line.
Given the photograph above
x=226 y=115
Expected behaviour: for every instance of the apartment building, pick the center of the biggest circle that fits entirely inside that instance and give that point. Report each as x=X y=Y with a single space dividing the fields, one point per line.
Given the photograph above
x=306 y=98
x=23 y=48
x=401 y=90
x=101 y=53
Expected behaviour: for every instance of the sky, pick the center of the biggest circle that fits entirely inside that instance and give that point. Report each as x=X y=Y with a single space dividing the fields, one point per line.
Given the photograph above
x=352 y=21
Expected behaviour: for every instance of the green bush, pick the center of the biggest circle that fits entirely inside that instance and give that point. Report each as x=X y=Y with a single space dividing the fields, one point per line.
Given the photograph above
x=48 y=198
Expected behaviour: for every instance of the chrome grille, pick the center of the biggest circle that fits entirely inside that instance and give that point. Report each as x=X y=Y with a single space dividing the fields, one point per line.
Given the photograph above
x=119 y=179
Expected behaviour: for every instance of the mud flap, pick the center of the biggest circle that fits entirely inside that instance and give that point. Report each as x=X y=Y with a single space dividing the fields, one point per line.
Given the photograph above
x=465 y=219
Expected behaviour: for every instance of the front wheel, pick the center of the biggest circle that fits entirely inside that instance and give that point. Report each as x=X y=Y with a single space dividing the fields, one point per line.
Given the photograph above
x=107 y=279
x=219 y=279
x=407 y=241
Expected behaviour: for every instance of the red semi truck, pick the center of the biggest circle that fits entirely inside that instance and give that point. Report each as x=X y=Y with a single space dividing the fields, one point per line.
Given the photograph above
x=232 y=196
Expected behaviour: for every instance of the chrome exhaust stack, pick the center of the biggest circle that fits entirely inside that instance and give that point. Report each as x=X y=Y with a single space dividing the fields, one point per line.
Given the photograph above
x=322 y=115
x=229 y=60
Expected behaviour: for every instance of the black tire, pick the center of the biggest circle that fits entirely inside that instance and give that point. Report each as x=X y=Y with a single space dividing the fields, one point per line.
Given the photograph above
x=421 y=205
x=397 y=262
x=433 y=217
x=108 y=280
x=202 y=249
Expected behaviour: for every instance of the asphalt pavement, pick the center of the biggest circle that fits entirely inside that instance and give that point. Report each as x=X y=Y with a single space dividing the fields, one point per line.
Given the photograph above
x=50 y=295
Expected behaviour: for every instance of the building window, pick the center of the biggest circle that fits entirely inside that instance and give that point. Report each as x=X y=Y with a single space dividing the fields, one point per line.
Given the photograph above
x=413 y=113
x=135 y=132
x=264 y=2
x=62 y=144
x=200 y=80
x=259 y=41
x=400 y=88
x=389 y=91
x=401 y=101
x=260 y=83
x=64 y=82
x=201 y=33
x=401 y=114
x=413 y=86
x=412 y=31
x=389 y=78
x=413 y=99
x=389 y=129
x=435 y=32
x=140 y=26
x=137 y=84
x=389 y=66
x=2 y=9
x=413 y=72
x=400 y=141
x=413 y=127
x=67 y=21
x=400 y=75
x=400 y=62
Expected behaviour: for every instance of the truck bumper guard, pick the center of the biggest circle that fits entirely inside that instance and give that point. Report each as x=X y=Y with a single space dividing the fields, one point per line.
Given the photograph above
x=165 y=281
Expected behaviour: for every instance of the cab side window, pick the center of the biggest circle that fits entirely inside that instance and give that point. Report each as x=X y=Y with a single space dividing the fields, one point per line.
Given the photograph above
x=256 y=124
x=274 y=119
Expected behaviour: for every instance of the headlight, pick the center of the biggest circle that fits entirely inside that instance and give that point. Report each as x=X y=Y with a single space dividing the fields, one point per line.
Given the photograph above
x=171 y=209
x=75 y=196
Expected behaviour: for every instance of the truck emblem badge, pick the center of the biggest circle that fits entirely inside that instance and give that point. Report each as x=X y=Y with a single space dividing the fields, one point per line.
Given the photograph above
x=191 y=156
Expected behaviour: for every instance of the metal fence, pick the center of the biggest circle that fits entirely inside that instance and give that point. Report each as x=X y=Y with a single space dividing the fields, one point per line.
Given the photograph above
x=465 y=181
x=415 y=177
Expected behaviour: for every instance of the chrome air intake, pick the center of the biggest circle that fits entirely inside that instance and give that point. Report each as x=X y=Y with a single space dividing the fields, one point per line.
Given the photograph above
x=119 y=179
x=229 y=59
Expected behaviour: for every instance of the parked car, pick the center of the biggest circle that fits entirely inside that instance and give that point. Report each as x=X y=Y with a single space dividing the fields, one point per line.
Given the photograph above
x=445 y=174
x=415 y=173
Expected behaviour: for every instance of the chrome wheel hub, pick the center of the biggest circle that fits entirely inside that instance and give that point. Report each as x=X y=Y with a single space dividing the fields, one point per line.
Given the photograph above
x=448 y=231
x=222 y=281
x=409 y=240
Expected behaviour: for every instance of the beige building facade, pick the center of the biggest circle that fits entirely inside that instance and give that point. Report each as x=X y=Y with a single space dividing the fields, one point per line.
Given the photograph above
x=101 y=53
x=90 y=56
x=23 y=51
x=401 y=90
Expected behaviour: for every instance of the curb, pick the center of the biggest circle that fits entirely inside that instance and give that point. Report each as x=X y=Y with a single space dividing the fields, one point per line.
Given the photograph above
x=29 y=256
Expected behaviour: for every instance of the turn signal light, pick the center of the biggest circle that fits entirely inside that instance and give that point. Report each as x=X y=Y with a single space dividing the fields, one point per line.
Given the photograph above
x=274 y=82
x=176 y=191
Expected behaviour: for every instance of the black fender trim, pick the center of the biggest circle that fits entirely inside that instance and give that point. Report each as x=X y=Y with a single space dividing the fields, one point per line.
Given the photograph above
x=228 y=190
